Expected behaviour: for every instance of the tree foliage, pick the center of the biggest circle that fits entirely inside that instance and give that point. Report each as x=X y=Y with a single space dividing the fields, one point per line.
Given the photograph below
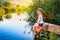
x=6 y=9
x=51 y=14
x=51 y=9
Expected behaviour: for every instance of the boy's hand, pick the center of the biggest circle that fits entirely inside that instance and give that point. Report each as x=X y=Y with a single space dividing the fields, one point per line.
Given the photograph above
x=37 y=21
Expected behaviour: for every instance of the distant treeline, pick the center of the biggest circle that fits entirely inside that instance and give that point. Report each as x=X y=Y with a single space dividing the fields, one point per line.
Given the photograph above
x=51 y=10
x=6 y=10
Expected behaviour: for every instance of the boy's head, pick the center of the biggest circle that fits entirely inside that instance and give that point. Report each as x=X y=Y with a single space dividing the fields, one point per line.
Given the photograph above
x=39 y=10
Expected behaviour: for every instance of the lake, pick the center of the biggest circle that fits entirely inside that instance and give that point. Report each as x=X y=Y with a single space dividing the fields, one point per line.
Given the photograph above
x=13 y=29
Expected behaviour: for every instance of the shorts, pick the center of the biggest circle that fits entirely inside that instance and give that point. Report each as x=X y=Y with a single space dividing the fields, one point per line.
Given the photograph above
x=40 y=24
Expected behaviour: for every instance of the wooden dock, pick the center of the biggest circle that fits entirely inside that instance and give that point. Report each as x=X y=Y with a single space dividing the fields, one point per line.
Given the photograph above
x=54 y=28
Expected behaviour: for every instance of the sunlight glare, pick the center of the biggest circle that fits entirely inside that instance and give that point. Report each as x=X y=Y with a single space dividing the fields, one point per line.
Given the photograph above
x=21 y=2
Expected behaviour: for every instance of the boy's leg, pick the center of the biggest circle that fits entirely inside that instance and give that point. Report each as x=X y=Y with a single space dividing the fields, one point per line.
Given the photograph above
x=37 y=29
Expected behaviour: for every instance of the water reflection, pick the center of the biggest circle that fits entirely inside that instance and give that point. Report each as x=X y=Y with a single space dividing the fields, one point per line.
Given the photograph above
x=13 y=29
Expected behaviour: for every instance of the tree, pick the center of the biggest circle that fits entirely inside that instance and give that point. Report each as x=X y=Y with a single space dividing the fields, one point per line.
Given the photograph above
x=7 y=4
x=23 y=9
x=18 y=9
x=50 y=7
x=51 y=14
x=8 y=16
x=2 y=11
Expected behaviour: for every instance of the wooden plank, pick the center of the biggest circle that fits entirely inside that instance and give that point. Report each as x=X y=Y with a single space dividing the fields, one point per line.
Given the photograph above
x=54 y=28
x=51 y=28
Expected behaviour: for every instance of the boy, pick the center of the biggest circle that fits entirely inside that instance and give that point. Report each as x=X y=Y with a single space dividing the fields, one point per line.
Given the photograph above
x=39 y=25
x=40 y=17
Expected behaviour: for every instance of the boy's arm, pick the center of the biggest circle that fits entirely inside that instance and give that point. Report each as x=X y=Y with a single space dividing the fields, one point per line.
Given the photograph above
x=38 y=20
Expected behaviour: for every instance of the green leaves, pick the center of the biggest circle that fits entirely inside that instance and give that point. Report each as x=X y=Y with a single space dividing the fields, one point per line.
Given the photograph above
x=2 y=11
x=57 y=17
x=7 y=4
x=50 y=7
x=8 y=16
x=51 y=36
x=6 y=9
